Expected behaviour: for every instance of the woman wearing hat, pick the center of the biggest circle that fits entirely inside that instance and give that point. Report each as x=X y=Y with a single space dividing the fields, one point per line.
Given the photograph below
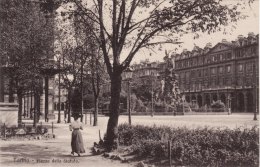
x=76 y=137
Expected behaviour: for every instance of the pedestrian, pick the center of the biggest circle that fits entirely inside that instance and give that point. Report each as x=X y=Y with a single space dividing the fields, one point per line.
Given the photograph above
x=76 y=137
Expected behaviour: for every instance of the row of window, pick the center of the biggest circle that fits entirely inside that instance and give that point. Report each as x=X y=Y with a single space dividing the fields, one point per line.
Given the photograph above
x=218 y=57
x=247 y=67
x=246 y=52
x=146 y=72
x=203 y=60
x=241 y=67
x=213 y=83
x=204 y=72
x=242 y=52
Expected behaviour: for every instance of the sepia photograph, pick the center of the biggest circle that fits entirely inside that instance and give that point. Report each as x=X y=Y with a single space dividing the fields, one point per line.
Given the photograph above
x=129 y=83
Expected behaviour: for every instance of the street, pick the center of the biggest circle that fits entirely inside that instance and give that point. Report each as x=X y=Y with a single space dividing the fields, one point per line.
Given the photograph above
x=56 y=152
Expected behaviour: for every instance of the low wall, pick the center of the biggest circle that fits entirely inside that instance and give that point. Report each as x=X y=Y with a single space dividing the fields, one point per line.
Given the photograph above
x=177 y=113
x=8 y=114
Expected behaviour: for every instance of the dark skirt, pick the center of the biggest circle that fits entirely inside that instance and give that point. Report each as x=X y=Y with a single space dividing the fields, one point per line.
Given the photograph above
x=77 y=142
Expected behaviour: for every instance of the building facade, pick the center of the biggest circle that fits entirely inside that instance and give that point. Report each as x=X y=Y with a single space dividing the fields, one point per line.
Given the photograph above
x=227 y=72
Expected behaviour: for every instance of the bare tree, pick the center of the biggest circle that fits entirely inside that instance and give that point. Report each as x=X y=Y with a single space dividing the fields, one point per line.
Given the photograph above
x=130 y=25
x=73 y=52
x=93 y=65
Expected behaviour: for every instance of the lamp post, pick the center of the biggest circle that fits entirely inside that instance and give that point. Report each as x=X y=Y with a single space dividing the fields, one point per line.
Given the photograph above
x=255 y=87
x=183 y=100
x=59 y=93
x=128 y=73
x=229 y=104
x=154 y=77
x=152 y=99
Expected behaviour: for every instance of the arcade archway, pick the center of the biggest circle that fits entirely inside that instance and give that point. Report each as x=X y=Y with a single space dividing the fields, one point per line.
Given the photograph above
x=214 y=97
x=187 y=98
x=193 y=100
x=250 y=102
x=199 y=100
x=223 y=98
x=207 y=100
x=240 y=102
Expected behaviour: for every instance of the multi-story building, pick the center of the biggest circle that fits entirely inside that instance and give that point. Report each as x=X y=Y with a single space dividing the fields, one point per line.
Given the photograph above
x=146 y=69
x=227 y=72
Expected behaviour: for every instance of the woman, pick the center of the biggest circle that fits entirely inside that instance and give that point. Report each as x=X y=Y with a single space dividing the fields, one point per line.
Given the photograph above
x=76 y=137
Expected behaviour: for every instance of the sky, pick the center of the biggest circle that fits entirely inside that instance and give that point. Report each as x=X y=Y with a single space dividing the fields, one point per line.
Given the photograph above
x=243 y=27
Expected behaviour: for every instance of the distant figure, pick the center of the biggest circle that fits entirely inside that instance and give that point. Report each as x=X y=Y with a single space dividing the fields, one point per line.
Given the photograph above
x=76 y=137
x=31 y=113
x=163 y=84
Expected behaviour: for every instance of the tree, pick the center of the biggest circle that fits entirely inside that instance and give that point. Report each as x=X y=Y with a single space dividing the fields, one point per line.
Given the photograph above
x=26 y=35
x=80 y=32
x=72 y=62
x=98 y=78
x=95 y=68
x=159 y=22
x=145 y=87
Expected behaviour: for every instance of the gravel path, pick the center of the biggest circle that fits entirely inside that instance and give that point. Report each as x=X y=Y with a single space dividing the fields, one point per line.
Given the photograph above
x=56 y=152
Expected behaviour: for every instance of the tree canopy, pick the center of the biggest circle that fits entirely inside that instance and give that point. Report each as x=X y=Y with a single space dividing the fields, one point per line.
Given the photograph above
x=126 y=26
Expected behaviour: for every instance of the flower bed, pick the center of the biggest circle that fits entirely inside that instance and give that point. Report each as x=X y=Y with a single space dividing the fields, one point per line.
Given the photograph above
x=25 y=133
x=193 y=147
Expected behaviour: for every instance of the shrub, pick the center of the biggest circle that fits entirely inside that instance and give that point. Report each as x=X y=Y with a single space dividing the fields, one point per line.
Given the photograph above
x=196 y=147
x=218 y=106
x=11 y=131
x=186 y=107
x=150 y=148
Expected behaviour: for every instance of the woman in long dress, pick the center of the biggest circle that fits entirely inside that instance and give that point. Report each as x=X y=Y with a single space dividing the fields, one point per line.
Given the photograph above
x=76 y=137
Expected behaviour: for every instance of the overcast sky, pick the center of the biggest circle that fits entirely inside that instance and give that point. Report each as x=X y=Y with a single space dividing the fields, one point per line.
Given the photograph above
x=243 y=27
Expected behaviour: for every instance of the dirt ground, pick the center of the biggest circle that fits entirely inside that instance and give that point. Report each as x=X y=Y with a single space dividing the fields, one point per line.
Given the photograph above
x=56 y=152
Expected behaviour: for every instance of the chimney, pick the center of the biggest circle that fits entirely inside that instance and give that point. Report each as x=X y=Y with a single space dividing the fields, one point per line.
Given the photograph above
x=251 y=34
x=240 y=37
x=185 y=50
x=224 y=41
x=209 y=45
x=173 y=55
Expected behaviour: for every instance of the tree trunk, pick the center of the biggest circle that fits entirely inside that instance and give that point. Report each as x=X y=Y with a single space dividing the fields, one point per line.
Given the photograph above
x=36 y=108
x=20 y=106
x=96 y=111
x=111 y=141
x=11 y=90
x=1 y=84
x=46 y=89
x=69 y=105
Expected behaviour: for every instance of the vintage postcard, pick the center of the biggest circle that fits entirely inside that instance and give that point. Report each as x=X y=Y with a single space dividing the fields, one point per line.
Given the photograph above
x=129 y=83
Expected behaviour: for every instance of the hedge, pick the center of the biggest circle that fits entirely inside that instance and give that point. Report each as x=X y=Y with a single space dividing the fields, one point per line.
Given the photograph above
x=194 y=147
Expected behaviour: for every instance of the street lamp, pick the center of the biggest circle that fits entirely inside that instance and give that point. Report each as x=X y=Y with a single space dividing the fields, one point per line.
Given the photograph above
x=154 y=77
x=59 y=92
x=229 y=104
x=255 y=87
x=183 y=100
x=127 y=74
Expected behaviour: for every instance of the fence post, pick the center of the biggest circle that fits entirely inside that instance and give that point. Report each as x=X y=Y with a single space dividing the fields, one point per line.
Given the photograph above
x=170 y=152
x=52 y=127
x=86 y=118
x=4 y=131
x=90 y=118
x=99 y=135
